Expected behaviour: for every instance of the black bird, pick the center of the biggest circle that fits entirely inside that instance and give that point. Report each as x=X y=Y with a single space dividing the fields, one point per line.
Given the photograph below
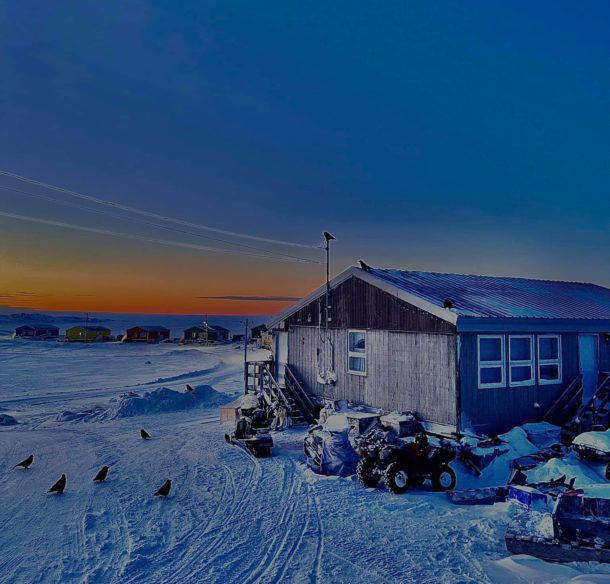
x=145 y=435
x=26 y=463
x=365 y=266
x=166 y=487
x=59 y=486
x=101 y=475
x=189 y=387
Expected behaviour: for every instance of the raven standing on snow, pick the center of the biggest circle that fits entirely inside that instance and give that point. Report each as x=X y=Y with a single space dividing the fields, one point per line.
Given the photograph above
x=59 y=486
x=101 y=475
x=145 y=435
x=166 y=487
x=26 y=463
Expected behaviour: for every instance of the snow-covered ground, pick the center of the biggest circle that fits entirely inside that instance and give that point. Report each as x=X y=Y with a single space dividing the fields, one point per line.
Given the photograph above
x=230 y=518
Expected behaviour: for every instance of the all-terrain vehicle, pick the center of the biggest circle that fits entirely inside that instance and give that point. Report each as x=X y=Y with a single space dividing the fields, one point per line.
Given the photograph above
x=406 y=464
x=252 y=428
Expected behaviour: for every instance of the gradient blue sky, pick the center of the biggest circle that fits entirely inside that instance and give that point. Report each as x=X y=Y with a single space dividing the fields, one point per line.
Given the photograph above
x=451 y=136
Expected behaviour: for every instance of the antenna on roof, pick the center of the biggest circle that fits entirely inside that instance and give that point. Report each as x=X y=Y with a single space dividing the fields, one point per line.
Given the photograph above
x=364 y=265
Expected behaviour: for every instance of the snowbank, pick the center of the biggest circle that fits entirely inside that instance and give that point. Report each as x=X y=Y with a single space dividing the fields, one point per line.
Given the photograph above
x=161 y=400
x=570 y=466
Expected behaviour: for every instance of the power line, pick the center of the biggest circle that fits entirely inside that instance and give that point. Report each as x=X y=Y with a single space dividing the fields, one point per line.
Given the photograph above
x=151 y=214
x=150 y=239
x=144 y=222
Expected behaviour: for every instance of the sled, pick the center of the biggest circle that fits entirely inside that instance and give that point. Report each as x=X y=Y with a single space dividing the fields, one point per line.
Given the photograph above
x=483 y=496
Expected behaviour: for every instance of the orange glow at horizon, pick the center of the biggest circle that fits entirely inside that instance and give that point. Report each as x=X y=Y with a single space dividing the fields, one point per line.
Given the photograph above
x=53 y=270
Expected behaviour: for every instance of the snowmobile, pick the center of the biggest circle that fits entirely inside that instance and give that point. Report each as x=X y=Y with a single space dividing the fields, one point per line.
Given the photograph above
x=252 y=429
x=407 y=464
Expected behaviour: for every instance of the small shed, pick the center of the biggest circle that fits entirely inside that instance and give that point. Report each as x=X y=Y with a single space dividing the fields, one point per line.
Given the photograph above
x=37 y=331
x=221 y=332
x=146 y=334
x=200 y=334
x=88 y=333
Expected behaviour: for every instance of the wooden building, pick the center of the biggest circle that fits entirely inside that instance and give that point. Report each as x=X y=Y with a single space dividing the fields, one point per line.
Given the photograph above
x=206 y=333
x=146 y=334
x=37 y=331
x=88 y=333
x=470 y=352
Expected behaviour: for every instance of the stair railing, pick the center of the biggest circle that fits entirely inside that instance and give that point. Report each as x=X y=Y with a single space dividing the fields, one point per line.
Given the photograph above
x=303 y=400
x=569 y=396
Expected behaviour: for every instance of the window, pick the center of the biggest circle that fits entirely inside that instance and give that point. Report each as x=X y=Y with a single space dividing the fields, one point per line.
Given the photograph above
x=549 y=359
x=356 y=352
x=491 y=361
x=521 y=360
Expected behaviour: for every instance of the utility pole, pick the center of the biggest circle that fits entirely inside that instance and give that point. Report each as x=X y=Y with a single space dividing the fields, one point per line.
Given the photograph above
x=86 y=326
x=205 y=329
x=327 y=239
x=247 y=324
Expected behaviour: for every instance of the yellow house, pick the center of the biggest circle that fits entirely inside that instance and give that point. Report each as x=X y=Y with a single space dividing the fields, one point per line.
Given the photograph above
x=88 y=333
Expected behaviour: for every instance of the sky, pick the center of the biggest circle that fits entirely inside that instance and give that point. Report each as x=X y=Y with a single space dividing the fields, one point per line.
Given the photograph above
x=469 y=137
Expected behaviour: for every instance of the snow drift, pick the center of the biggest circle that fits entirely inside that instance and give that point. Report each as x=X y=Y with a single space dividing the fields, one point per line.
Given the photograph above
x=161 y=400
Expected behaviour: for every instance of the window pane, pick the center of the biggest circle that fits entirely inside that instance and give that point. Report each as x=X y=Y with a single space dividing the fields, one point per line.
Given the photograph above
x=518 y=374
x=549 y=372
x=520 y=349
x=490 y=349
x=549 y=348
x=357 y=364
x=491 y=375
x=357 y=342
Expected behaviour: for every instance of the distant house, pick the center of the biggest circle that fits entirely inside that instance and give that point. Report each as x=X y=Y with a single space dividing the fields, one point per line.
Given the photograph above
x=470 y=352
x=206 y=333
x=257 y=331
x=37 y=331
x=88 y=333
x=237 y=338
x=146 y=334
x=222 y=332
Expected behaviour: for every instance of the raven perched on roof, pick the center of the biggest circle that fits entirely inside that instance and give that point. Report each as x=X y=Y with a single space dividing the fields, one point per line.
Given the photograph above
x=26 y=463
x=166 y=487
x=145 y=435
x=59 y=486
x=189 y=387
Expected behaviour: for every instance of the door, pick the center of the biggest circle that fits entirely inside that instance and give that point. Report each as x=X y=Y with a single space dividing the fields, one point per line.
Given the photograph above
x=281 y=355
x=587 y=357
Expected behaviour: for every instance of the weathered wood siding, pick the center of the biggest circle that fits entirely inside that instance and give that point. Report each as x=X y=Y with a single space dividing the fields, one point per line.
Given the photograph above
x=405 y=371
x=357 y=304
x=495 y=410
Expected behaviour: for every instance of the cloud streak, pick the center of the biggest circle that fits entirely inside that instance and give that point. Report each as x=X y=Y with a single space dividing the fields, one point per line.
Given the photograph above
x=252 y=298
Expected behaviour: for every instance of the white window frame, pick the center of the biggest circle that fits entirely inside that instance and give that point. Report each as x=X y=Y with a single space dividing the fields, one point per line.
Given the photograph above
x=529 y=363
x=491 y=364
x=557 y=361
x=357 y=354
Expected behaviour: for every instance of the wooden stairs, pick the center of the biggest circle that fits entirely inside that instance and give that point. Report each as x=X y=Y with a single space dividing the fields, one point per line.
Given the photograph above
x=574 y=417
x=260 y=379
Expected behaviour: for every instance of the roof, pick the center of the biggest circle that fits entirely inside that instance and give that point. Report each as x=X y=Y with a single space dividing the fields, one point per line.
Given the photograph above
x=475 y=297
x=38 y=326
x=209 y=328
x=90 y=327
x=151 y=328
x=503 y=297
x=219 y=328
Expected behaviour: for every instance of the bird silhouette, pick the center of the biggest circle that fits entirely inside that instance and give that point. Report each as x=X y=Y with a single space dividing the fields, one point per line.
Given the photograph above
x=189 y=387
x=145 y=435
x=166 y=487
x=365 y=266
x=59 y=486
x=101 y=475
x=26 y=463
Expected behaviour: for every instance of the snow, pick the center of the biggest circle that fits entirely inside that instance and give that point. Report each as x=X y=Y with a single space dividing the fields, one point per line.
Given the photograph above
x=596 y=440
x=230 y=518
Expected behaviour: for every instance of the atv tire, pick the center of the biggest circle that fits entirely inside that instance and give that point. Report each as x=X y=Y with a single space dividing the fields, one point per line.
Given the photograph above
x=367 y=473
x=396 y=478
x=444 y=479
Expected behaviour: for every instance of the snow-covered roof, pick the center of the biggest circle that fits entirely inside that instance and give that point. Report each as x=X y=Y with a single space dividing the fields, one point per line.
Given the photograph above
x=453 y=296
x=90 y=327
x=152 y=328
x=502 y=297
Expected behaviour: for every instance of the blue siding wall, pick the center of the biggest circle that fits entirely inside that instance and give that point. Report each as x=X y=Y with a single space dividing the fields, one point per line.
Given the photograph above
x=491 y=411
